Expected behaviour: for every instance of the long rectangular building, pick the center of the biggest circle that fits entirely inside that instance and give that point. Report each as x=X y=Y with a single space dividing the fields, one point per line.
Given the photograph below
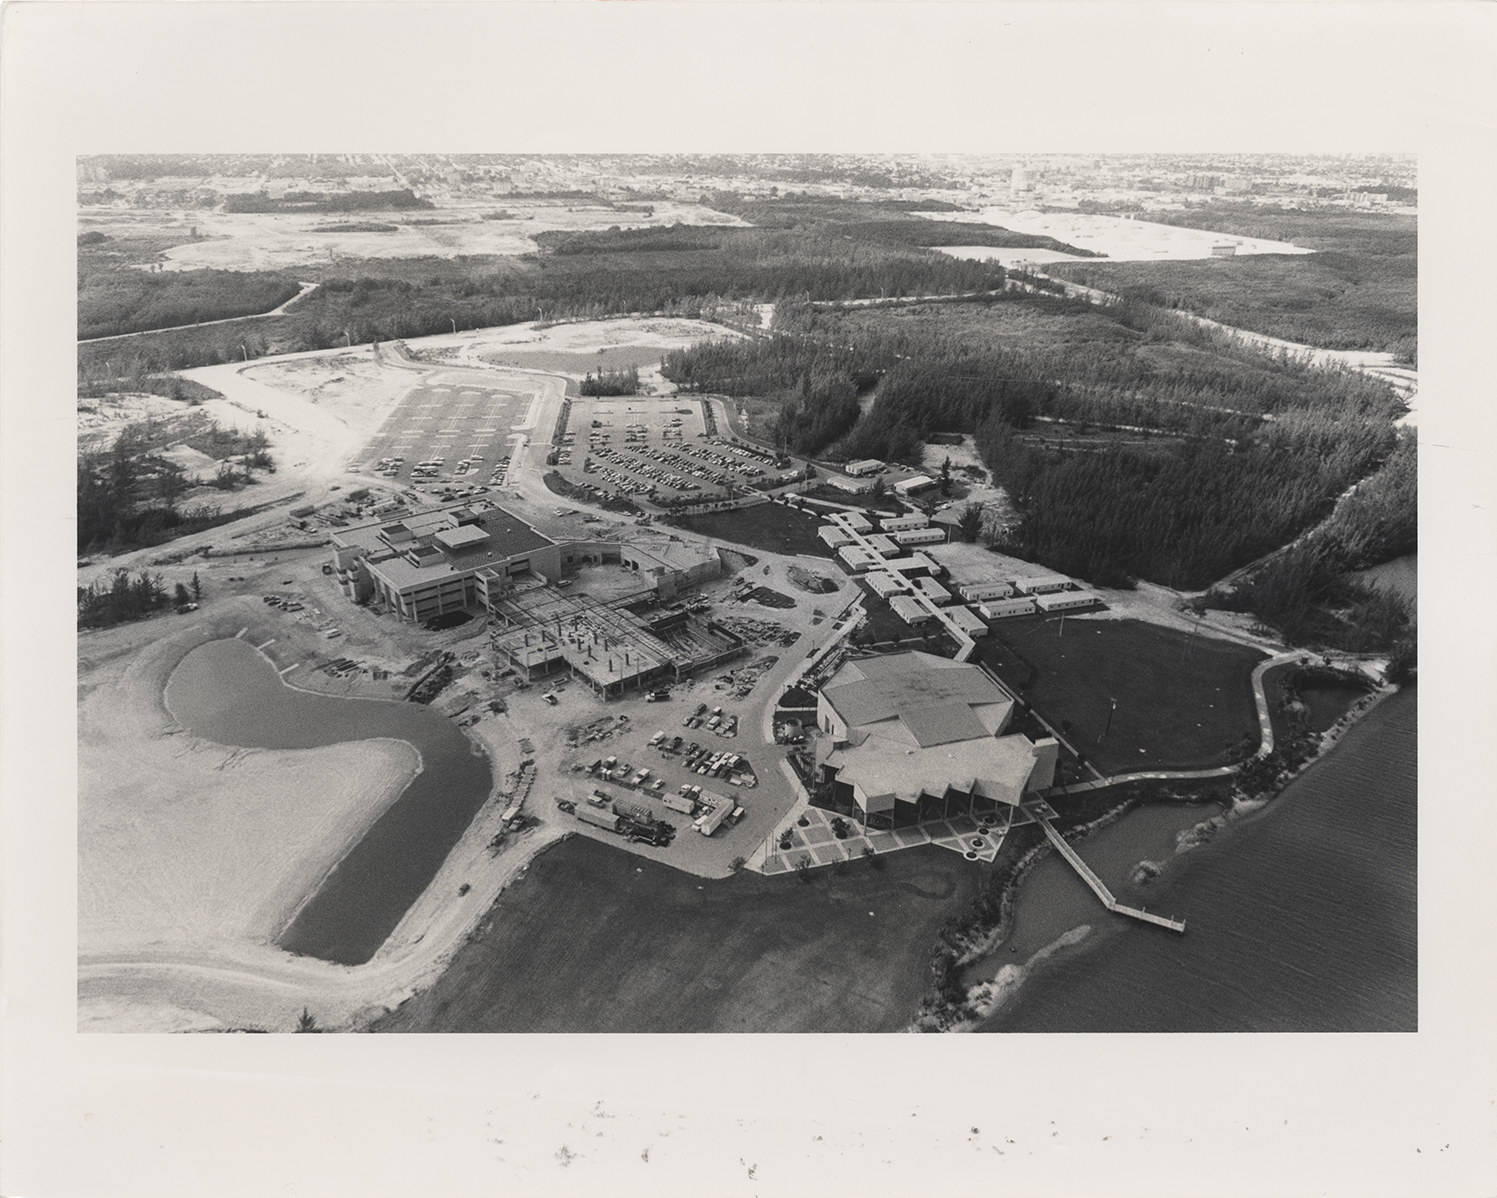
x=919 y=536
x=903 y=523
x=1067 y=600
x=1042 y=584
x=974 y=592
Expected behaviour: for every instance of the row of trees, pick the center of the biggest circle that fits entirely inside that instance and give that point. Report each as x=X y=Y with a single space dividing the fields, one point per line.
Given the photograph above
x=124 y=597
x=612 y=382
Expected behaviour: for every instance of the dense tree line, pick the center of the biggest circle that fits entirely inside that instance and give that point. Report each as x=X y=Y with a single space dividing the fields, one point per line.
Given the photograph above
x=611 y=382
x=122 y=599
x=131 y=301
x=817 y=384
x=398 y=199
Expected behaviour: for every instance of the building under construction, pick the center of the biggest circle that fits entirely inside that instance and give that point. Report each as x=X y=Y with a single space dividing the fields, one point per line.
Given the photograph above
x=610 y=648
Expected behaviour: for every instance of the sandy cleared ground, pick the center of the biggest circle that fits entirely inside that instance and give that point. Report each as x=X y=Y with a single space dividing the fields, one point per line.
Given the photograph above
x=192 y=855
x=1119 y=239
x=283 y=241
x=183 y=840
x=100 y=420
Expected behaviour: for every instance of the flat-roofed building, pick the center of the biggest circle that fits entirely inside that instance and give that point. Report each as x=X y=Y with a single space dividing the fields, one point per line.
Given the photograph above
x=919 y=536
x=1041 y=584
x=1067 y=600
x=834 y=536
x=966 y=621
x=857 y=559
x=914 y=565
x=865 y=466
x=912 y=736
x=933 y=590
x=853 y=486
x=882 y=545
x=998 y=609
x=903 y=523
x=912 y=486
x=884 y=584
x=976 y=591
x=443 y=560
x=911 y=611
x=852 y=521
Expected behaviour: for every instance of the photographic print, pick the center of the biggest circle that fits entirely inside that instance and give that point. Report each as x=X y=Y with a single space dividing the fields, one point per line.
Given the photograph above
x=747 y=592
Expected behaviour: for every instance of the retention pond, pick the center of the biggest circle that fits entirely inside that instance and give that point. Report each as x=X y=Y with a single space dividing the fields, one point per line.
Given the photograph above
x=226 y=692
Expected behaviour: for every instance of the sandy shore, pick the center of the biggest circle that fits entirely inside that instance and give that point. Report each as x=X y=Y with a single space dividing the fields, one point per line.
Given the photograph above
x=193 y=856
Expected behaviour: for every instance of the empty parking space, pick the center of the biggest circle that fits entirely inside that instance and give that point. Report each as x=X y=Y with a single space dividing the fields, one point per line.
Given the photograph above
x=441 y=434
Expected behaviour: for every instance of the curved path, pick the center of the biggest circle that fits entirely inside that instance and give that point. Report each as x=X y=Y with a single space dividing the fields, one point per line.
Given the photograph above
x=279 y=310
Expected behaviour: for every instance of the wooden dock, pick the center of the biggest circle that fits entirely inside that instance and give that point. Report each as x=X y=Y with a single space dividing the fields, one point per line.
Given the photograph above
x=1099 y=888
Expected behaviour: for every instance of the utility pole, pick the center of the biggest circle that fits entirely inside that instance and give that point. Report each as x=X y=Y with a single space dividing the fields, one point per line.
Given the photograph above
x=245 y=352
x=1062 y=630
x=1108 y=728
x=454 y=325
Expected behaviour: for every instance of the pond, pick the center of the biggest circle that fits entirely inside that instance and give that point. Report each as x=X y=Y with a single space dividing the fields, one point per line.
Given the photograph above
x=226 y=692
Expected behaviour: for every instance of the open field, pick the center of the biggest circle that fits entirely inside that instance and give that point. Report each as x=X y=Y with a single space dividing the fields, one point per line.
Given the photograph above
x=769 y=526
x=282 y=241
x=1122 y=240
x=1183 y=701
x=599 y=941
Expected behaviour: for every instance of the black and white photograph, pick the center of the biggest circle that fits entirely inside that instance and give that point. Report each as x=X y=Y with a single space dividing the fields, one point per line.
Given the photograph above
x=752 y=593
x=702 y=581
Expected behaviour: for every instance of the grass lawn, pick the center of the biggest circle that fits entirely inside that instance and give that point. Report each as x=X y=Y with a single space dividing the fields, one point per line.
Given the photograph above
x=1186 y=702
x=769 y=526
x=598 y=940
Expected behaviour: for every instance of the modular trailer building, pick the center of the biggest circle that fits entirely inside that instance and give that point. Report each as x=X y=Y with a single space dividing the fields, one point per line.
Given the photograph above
x=977 y=591
x=1043 y=584
x=919 y=536
x=865 y=466
x=933 y=591
x=853 y=521
x=834 y=537
x=884 y=585
x=997 y=609
x=883 y=546
x=901 y=523
x=966 y=621
x=1066 y=600
x=921 y=482
x=857 y=559
x=909 y=610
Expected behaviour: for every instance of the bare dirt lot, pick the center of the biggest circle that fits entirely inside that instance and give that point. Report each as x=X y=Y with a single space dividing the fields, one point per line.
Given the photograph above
x=278 y=241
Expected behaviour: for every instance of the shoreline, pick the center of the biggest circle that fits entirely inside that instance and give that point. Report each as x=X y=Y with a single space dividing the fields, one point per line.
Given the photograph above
x=132 y=976
x=987 y=997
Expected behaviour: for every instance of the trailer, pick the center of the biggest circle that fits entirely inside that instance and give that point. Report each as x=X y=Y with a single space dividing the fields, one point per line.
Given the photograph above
x=903 y=523
x=966 y=621
x=1042 y=584
x=718 y=809
x=865 y=466
x=999 y=609
x=975 y=592
x=599 y=819
x=882 y=545
x=909 y=610
x=933 y=591
x=833 y=536
x=884 y=585
x=919 y=536
x=1067 y=600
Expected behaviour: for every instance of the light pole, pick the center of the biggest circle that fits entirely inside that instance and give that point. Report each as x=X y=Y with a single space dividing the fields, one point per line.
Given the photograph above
x=245 y=352
x=1108 y=728
x=454 y=325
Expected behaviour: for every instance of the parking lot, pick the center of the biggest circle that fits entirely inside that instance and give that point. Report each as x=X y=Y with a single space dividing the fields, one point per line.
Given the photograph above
x=763 y=790
x=654 y=448
x=448 y=433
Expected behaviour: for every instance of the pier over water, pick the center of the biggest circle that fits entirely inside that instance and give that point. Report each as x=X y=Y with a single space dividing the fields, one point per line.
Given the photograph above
x=1099 y=888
